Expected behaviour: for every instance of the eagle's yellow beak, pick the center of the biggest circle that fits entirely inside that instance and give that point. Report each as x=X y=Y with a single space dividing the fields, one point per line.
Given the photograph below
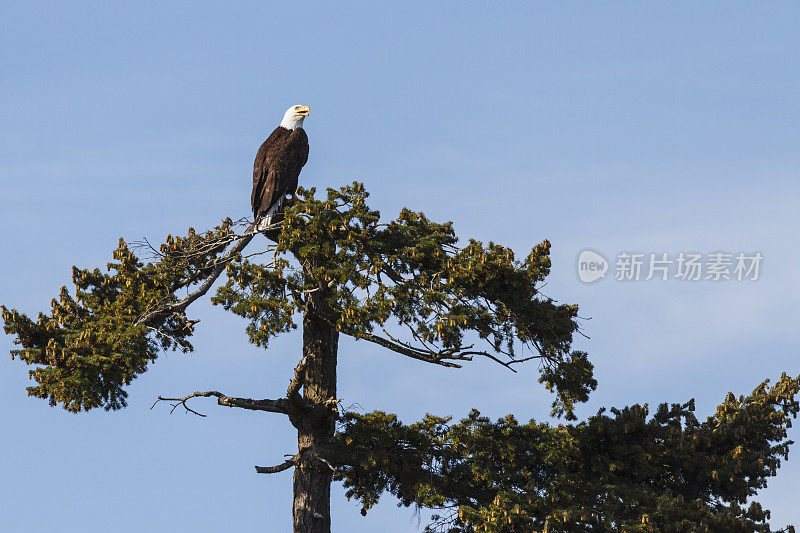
x=305 y=111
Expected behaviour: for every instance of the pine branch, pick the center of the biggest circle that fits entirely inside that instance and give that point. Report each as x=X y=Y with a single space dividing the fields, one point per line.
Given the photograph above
x=462 y=493
x=217 y=266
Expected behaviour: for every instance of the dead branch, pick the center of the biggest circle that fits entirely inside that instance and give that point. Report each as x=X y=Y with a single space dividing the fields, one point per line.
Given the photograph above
x=439 y=358
x=499 y=361
x=310 y=456
x=272 y=406
x=443 y=357
x=278 y=468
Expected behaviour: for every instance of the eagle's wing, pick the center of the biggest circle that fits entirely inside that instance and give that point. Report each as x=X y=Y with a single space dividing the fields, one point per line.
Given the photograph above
x=299 y=146
x=277 y=168
x=259 y=166
x=266 y=177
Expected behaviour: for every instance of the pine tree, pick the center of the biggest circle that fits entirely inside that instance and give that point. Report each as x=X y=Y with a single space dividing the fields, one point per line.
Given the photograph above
x=333 y=267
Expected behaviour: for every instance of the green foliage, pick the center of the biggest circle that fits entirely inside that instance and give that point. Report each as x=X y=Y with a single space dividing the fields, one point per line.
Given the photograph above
x=93 y=344
x=629 y=471
x=377 y=278
x=406 y=285
x=409 y=275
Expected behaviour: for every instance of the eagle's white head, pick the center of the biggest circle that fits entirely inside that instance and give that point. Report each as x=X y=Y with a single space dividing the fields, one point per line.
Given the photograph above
x=294 y=116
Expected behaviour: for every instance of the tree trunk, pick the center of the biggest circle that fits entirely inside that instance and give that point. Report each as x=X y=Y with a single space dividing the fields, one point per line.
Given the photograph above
x=312 y=476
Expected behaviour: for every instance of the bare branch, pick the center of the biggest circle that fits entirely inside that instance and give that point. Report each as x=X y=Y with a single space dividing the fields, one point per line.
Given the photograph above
x=278 y=468
x=272 y=406
x=307 y=456
x=429 y=356
x=180 y=401
x=506 y=364
x=517 y=361
x=441 y=357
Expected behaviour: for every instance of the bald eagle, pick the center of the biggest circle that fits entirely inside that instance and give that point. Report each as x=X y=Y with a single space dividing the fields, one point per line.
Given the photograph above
x=277 y=166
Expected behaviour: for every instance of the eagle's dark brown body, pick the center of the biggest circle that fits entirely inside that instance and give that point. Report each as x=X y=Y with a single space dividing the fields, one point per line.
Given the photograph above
x=276 y=169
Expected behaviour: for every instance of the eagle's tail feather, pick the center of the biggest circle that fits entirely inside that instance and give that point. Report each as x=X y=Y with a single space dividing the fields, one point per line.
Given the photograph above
x=266 y=219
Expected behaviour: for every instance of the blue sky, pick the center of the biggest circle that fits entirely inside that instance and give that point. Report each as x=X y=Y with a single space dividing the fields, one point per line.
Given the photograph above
x=626 y=126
